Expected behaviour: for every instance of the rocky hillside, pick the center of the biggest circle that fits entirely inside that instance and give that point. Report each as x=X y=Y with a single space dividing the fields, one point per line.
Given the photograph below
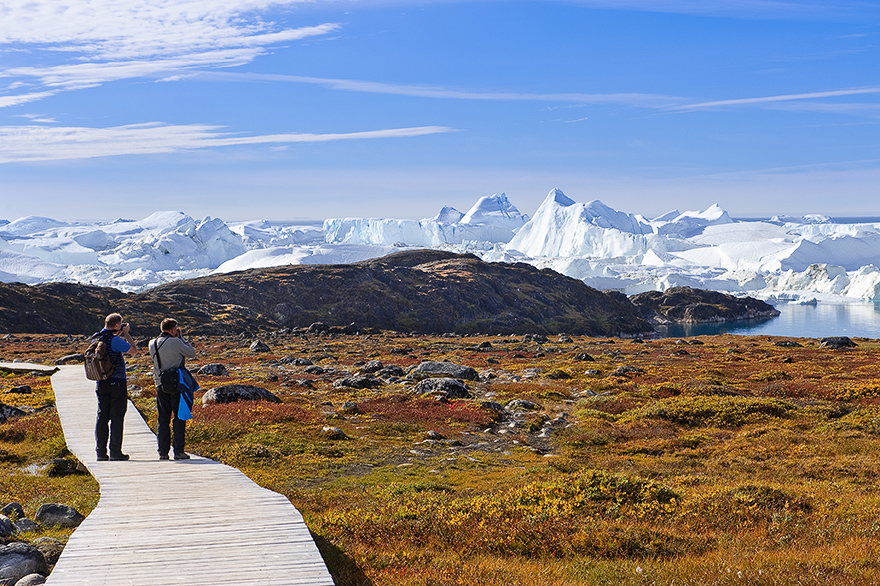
x=421 y=291
x=691 y=306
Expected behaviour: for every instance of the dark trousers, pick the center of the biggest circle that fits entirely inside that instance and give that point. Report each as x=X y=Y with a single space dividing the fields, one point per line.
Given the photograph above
x=112 y=404
x=166 y=404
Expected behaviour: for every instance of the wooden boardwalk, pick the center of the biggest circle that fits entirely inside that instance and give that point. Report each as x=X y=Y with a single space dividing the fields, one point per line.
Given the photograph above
x=195 y=522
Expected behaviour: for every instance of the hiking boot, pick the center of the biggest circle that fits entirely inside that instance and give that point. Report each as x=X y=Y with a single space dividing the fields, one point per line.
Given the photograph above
x=163 y=456
x=183 y=456
x=119 y=457
x=103 y=457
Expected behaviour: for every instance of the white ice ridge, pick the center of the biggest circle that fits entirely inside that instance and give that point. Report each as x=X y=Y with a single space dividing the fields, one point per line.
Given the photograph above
x=784 y=258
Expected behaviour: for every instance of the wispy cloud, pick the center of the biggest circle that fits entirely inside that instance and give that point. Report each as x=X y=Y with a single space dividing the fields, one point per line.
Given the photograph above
x=105 y=40
x=781 y=98
x=644 y=100
x=42 y=143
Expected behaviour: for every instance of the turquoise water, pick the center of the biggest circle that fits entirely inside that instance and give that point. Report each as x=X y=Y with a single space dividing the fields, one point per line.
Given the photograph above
x=856 y=320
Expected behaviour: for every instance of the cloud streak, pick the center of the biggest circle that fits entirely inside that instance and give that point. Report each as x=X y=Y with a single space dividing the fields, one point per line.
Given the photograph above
x=107 y=40
x=42 y=143
x=781 y=98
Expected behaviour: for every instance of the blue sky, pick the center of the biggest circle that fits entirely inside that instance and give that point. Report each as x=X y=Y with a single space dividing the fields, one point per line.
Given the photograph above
x=252 y=109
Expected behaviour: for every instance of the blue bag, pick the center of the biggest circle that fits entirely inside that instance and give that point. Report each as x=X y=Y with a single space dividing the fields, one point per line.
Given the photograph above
x=186 y=386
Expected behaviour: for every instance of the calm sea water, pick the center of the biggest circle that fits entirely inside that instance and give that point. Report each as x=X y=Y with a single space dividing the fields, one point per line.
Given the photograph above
x=856 y=320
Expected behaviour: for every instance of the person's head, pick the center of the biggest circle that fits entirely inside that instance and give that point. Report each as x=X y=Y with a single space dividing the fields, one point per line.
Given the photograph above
x=113 y=322
x=169 y=325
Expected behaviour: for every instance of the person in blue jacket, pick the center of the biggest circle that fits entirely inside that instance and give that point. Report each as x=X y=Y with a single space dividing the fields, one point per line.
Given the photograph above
x=113 y=391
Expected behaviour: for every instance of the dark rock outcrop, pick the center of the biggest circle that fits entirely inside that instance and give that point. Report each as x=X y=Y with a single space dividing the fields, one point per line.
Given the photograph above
x=691 y=306
x=446 y=388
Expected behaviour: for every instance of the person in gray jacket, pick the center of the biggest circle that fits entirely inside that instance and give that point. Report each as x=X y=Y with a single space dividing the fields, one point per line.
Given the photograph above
x=169 y=352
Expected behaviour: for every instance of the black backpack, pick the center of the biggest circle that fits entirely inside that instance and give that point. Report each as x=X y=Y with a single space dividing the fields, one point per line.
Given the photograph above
x=98 y=363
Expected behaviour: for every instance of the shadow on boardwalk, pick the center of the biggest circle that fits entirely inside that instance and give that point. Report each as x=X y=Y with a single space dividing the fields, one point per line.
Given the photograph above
x=195 y=522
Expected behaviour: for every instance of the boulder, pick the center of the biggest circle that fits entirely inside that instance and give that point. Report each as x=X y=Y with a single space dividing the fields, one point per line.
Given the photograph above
x=333 y=433
x=358 y=382
x=18 y=560
x=787 y=344
x=371 y=367
x=259 y=346
x=13 y=511
x=71 y=359
x=7 y=411
x=235 y=392
x=314 y=369
x=318 y=328
x=522 y=405
x=50 y=547
x=63 y=467
x=214 y=369
x=430 y=368
x=447 y=388
x=837 y=343
x=296 y=361
x=6 y=528
x=21 y=390
x=539 y=338
x=54 y=514
x=24 y=526
x=32 y=580
x=392 y=370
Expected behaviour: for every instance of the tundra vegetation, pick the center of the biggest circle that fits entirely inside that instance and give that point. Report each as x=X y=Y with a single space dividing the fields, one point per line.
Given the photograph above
x=707 y=461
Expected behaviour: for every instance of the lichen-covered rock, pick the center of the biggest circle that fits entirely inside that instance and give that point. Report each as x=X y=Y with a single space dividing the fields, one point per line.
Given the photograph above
x=54 y=514
x=214 y=369
x=430 y=368
x=447 y=388
x=18 y=560
x=259 y=346
x=358 y=382
x=32 y=580
x=235 y=392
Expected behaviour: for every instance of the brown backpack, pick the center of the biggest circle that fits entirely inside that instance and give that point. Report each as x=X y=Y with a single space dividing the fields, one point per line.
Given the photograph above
x=98 y=364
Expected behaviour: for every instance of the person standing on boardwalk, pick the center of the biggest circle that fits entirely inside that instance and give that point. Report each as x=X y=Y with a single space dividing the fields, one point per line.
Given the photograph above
x=113 y=391
x=169 y=352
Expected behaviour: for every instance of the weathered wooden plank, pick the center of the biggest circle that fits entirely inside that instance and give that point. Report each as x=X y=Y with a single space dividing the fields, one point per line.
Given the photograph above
x=194 y=522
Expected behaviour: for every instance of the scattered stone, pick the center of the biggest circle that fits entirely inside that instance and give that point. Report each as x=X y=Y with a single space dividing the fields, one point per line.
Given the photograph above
x=54 y=514
x=62 y=467
x=837 y=343
x=584 y=357
x=318 y=328
x=259 y=346
x=18 y=560
x=593 y=372
x=296 y=361
x=7 y=411
x=447 y=388
x=558 y=374
x=71 y=359
x=787 y=344
x=349 y=408
x=214 y=369
x=625 y=370
x=358 y=382
x=681 y=352
x=13 y=511
x=50 y=547
x=303 y=382
x=433 y=435
x=6 y=528
x=32 y=580
x=563 y=339
x=401 y=350
x=333 y=433
x=390 y=371
x=24 y=526
x=236 y=392
x=315 y=370
x=371 y=367
x=522 y=405
x=22 y=390
x=429 y=368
